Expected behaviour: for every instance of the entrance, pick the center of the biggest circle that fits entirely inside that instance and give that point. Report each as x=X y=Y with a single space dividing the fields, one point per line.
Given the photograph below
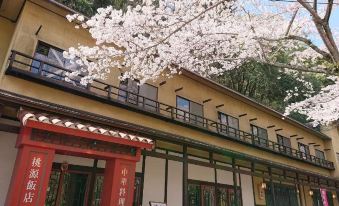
x=73 y=185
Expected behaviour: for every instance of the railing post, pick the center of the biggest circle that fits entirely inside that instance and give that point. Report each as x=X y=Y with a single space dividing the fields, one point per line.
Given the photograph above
x=109 y=92
x=41 y=66
x=172 y=113
x=12 y=58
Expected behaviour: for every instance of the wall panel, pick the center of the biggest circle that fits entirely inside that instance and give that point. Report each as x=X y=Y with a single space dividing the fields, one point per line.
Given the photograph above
x=174 y=187
x=7 y=159
x=154 y=180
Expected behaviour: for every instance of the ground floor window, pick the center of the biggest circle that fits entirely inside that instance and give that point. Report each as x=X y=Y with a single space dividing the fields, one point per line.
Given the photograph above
x=283 y=195
x=81 y=186
x=210 y=194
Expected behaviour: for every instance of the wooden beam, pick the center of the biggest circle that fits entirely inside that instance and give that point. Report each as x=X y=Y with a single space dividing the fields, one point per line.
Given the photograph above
x=294 y=135
x=271 y=126
x=316 y=145
x=37 y=32
x=220 y=105
x=206 y=100
x=312 y=143
x=9 y=128
x=300 y=138
x=253 y=119
x=277 y=130
x=162 y=83
x=241 y=115
x=178 y=89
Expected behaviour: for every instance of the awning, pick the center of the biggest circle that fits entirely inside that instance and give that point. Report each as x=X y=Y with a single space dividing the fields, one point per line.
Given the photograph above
x=25 y=116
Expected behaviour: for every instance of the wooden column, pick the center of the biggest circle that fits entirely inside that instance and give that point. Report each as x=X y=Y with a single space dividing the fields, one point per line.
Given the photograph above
x=185 y=177
x=235 y=183
x=118 y=188
x=272 y=186
x=30 y=176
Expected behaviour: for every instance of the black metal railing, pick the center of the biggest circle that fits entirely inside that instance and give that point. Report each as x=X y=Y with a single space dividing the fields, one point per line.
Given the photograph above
x=47 y=71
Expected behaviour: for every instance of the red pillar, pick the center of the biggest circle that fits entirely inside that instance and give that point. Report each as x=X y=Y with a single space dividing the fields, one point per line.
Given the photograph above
x=30 y=177
x=118 y=188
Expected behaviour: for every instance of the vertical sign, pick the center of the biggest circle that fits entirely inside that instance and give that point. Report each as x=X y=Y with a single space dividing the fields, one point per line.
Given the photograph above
x=323 y=193
x=33 y=179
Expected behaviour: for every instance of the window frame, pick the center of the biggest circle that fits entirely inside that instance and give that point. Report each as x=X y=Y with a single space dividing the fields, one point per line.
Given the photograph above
x=304 y=155
x=282 y=147
x=227 y=130
x=260 y=141
x=188 y=118
x=317 y=151
x=74 y=82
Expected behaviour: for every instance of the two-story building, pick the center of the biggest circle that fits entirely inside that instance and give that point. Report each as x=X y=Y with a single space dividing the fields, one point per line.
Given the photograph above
x=184 y=141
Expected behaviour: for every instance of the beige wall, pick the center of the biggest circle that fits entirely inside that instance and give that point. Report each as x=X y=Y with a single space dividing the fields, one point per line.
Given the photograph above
x=154 y=180
x=8 y=154
x=57 y=31
x=247 y=190
x=175 y=180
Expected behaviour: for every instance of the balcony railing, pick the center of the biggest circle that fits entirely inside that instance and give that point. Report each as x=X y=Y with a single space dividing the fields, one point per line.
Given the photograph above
x=25 y=66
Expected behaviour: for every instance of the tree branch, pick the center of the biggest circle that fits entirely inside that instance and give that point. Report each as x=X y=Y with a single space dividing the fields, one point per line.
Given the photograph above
x=304 y=40
x=328 y=11
x=291 y=22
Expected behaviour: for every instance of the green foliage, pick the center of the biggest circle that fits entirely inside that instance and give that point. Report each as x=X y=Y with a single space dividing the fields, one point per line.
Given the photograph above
x=268 y=85
x=89 y=7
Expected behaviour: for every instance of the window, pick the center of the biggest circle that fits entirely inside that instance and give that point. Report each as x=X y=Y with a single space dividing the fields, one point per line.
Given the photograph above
x=304 y=150
x=320 y=154
x=260 y=135
x=54 y=56
x=130 y=90
x=210 y=194
x=284 y=144
x=231 y=122
x=190 y=111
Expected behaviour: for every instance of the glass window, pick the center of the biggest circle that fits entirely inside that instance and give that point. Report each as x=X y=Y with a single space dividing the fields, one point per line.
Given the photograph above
x=183 y=106
x=260 y=135
x=231 y=122
x=304 y=150
x=151 y=95
x=53 y=56
x=284 y=144
x=319 y=154
x=190 y=111
x=128 y=90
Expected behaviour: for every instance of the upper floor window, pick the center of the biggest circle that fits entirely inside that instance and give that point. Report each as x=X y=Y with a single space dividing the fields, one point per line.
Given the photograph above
x=144 y=95
x=284 y=144
x=304 y=149
x=320 y=154
x=54 y=58
x=260 y=135
x=190 y=111
x=231 y=122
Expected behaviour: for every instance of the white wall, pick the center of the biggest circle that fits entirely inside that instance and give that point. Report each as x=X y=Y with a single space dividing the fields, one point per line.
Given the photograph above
x=8 y=154
x=174 y=184
x=225 y=177
x=247 y=190
x=154 y=180
x=196 y=172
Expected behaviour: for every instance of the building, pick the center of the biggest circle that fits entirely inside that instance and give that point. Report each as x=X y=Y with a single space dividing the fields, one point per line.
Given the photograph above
x=185 y=141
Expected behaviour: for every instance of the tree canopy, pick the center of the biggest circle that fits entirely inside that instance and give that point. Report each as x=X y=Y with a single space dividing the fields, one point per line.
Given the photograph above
x=211 y=37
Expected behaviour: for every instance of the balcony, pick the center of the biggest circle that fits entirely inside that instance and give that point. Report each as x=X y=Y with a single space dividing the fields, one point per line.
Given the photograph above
x=24 y=66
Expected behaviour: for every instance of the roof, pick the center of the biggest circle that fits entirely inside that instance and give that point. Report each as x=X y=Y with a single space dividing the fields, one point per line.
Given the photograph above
x=247 y=100
x=24 y=116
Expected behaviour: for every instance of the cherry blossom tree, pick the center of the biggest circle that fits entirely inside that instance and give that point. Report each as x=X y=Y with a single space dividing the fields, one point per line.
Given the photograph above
x=210 y=37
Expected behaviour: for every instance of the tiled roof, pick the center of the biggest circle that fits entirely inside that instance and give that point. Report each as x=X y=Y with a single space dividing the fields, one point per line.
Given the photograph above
x=24 y=116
